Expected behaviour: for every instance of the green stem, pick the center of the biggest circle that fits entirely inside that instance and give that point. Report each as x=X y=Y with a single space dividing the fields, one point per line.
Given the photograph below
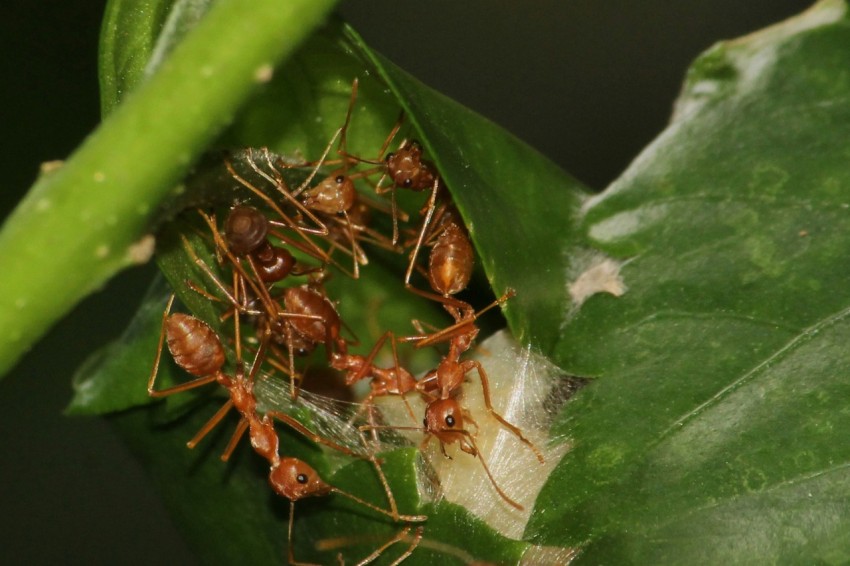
x=83 y=222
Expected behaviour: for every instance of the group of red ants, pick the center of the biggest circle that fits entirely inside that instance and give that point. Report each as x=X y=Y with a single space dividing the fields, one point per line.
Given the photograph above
x=277 y=323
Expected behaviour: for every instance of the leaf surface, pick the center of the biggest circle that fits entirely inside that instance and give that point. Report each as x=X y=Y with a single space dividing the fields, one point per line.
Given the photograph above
x=714 y=432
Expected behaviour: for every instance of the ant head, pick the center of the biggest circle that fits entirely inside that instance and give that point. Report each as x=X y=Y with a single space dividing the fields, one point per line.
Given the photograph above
x=408 y=170
x=245 y=229
x=334 y=195
x=444 y=419
x=294 y=479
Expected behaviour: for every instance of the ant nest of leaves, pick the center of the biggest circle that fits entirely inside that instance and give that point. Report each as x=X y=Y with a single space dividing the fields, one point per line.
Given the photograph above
x=266 y=265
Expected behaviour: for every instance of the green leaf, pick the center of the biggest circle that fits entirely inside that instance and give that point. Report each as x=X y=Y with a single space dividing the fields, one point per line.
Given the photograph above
x=715 y=430
x=97 y=207
x=128 y=36
x=112 y=379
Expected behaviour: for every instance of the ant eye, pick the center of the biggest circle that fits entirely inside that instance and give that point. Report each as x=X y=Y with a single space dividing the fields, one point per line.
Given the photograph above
x=450 y=421
x=425 y=423
x=301 y=478
x=340 y=179
x=407 y=183
x=389 y=156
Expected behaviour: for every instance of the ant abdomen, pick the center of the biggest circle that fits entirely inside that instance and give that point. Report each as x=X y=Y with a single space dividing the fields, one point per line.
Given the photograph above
x=273 y=264
x=451 y=260
x=194 y=345
x=306 y=301
x=245 y=229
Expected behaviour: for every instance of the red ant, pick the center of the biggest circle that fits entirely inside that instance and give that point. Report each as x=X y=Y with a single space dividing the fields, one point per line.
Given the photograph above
x=451 y=258
x=336 y=198
x=319 y=324
x=450 y=263
x=405 y=168
x=246 y=236
x=305 y=318
x=197 y=349
x=317 y=201
x=444 y=415
x=332 y=205
x=395 y=380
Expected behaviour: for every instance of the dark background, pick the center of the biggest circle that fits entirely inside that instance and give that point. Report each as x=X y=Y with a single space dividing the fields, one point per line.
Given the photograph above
x=588 y=83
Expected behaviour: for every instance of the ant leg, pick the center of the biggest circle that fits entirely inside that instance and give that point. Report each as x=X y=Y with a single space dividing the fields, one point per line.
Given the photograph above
x=394 y=208
x=393 y=133
x=342 y=149
x=446 y=301
x=357 y=254
x=158 y=356
x=460 y=327
x=201 y=291
x=419 y=326
x=400 y=536
x=432 y=205
x=417 y=538
x=383 y=478
x=498 y=489
x=234 y=440
x=405 y=518
x=211 y=424
x=367 y=405
x=293 y=377
x=367 y=364
x=181 y=387
x=485 y=386
x=310 y=434
x=289 y=550
x=303 y=186
x=429 y=381
x=399 y=388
